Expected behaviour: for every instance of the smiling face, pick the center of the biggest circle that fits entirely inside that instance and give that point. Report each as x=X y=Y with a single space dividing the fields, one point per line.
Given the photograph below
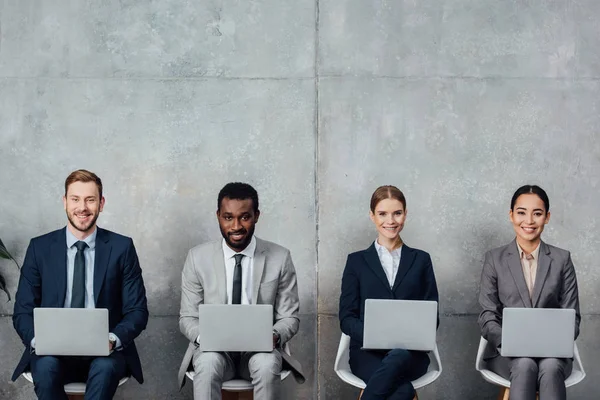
x=529 y=217
x=237 y=220
x=83 y=205
x=388 y=217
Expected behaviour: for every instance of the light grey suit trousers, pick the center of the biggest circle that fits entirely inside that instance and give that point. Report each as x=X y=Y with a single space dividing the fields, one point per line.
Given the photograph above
x=262 y=369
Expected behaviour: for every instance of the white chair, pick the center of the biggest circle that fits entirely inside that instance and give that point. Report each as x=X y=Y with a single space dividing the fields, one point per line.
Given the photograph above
x=576 y=376
x=75 y=390
x=238 y=386
x=342 y=367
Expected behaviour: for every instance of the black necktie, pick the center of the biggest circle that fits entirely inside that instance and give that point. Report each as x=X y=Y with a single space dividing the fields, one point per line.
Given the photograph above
x=78 y=292
x=236 y=294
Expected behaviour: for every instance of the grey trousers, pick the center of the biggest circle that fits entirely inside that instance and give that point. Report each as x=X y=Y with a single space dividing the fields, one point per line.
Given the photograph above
x=529 y=375
x=212 y=369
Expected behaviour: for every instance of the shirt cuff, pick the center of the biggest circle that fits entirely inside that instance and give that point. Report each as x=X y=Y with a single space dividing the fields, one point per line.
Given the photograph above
x=197 y=341
x=112 y=336
x=32 y=346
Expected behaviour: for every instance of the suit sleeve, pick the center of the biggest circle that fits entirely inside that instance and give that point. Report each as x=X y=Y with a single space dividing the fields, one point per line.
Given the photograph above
x=287 y=303
x=569 y=294
x=192 y=295
x=133 y=294
x=431 y=289
x=29 y=295
x=350 y=302
x=490 y=318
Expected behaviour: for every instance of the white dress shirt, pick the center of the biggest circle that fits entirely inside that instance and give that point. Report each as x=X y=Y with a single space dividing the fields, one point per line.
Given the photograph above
x=247 y=267
x=390 y=261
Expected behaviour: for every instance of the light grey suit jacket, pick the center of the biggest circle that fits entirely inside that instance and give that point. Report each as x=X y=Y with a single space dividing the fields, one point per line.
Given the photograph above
x=203 y=281
x=503 y=285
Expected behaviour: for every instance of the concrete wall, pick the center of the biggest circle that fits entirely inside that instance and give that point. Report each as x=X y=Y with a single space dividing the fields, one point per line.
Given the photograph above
x=316 y=103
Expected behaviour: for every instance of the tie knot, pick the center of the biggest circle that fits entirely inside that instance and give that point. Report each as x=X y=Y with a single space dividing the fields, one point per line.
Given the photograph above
x=238 y=258
x=529 y=257
x=80 y=245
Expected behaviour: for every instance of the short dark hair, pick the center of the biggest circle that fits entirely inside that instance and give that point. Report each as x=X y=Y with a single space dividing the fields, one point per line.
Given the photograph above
x=83 y=175
x=238 y=191
x=531 y=189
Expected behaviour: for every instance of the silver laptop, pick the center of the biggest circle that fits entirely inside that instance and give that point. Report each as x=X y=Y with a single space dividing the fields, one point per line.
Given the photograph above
x=71 y=331
x=404 y=324
x=226 y=327
x=538 y=332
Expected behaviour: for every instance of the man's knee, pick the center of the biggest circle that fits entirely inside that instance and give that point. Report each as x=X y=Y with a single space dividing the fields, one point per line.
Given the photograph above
x=265 y=365
x=210 y=364
x=524 y=366
x=46 y=370
x=107 y=367
x=552 y=367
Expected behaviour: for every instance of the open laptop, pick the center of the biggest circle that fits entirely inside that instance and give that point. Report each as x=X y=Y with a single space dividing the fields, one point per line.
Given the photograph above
x=227 y=327
x=404 y=324
x=538 y=332
x=71 y=331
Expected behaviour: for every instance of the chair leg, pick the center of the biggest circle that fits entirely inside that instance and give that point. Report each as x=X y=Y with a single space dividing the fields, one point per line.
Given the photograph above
x=504 y=393
x=227 y=395
x=415 y=398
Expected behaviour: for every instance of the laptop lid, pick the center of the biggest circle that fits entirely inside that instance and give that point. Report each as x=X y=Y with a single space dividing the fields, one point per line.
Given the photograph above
x=71 y=331
x=538 y=332
x=404 y=324
x=227 y=327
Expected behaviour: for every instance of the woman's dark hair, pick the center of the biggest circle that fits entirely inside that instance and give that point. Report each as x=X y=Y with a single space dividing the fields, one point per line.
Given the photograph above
x=238 y=191
x=531 y=189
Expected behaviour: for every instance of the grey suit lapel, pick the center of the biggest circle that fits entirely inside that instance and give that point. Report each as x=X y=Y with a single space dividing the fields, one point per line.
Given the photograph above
x=515 y=267
x=543 y=267
x=258 y=268
x=219 y=268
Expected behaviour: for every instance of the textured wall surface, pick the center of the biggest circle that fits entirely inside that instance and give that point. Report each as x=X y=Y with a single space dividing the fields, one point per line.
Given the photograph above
x=315 y=103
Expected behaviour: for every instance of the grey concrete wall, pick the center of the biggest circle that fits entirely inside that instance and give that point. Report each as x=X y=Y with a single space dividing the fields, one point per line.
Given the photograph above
x=316 y=103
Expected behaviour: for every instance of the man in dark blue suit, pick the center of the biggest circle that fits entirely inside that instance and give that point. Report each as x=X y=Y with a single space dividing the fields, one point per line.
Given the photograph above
x=82 y=266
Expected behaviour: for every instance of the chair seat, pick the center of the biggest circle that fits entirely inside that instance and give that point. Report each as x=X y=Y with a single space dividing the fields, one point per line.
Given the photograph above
x=342 y=367
x=242 y=385
x=71 y=388
x=237 y=385
x=577 y=375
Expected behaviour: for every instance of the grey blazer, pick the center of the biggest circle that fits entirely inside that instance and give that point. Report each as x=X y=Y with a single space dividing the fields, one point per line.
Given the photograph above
x=203 y=281
x=503 y=285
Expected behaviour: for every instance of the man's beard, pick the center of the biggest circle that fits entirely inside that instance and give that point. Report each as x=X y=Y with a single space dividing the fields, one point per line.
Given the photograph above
x=239 y=246
x=83 y=228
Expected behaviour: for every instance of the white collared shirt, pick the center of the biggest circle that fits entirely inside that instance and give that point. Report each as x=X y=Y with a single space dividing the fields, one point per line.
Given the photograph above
x=390 y=261
x=247 y=267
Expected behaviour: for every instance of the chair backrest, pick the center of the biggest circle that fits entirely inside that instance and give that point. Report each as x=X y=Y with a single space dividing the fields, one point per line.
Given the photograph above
x=479 y=359
x=342 y=359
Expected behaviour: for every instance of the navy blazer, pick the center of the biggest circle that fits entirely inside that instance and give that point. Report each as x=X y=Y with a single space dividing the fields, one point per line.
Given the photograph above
x=118 y=286
x=364 y=278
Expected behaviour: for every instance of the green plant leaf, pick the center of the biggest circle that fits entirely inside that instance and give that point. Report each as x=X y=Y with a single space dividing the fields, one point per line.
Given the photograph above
x=3 y=286
x=4 y=252
x=6 y=255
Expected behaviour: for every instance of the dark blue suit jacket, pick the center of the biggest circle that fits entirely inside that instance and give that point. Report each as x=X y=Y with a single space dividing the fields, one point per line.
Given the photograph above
x=364 y=278
x=118 y=286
